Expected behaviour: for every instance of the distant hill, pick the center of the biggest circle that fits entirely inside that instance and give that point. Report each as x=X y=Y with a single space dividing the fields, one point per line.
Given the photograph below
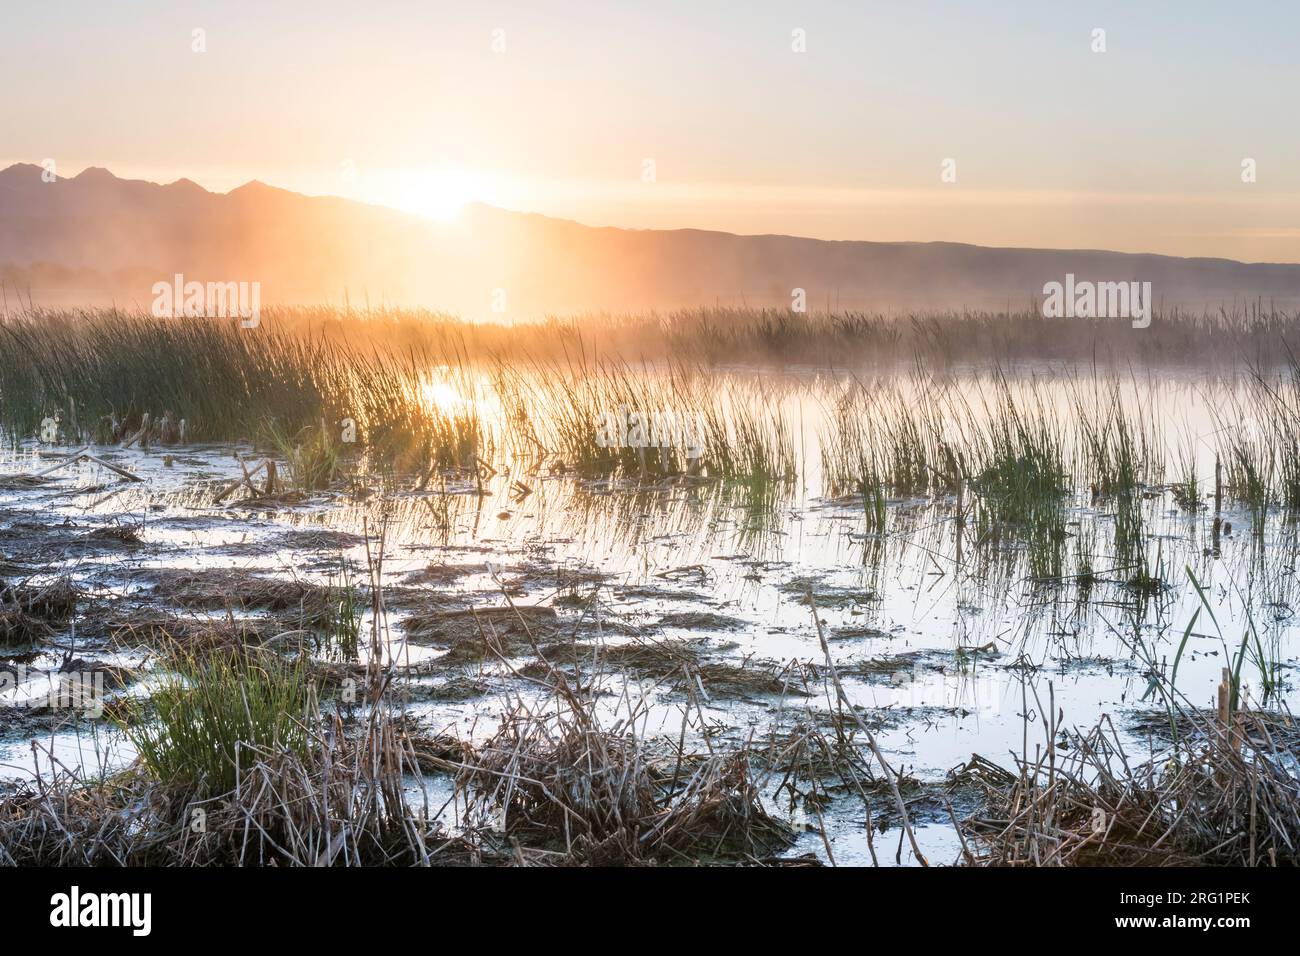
x=95 y=239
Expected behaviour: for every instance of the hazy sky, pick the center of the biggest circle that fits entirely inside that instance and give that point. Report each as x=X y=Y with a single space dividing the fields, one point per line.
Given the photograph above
x=406 y=103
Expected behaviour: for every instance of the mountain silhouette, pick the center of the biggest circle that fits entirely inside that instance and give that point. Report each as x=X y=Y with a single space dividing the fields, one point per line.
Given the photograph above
x=96 y=239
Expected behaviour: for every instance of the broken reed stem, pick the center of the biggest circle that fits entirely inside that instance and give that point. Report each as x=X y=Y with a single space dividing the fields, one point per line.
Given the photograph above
x=871 y=738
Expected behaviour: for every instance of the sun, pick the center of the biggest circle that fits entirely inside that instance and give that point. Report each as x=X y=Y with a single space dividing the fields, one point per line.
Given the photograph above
x=439 y=193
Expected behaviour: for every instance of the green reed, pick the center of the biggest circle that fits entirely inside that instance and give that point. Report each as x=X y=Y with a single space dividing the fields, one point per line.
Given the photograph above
x=211 y=709
x=101 y=373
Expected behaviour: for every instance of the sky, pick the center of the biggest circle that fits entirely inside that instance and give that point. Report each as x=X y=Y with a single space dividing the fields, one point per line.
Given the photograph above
x=995 y=123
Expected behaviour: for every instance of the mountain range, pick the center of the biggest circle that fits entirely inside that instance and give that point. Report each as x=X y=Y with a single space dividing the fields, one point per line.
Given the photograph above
x=96 y=239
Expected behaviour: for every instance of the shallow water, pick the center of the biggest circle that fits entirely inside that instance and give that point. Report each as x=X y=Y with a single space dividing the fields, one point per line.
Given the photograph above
x=904 y=607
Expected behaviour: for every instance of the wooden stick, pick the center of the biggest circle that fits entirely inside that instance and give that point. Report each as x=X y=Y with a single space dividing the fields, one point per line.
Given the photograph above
x=68 y=460
x=83 y=455
x=248 y=475
x=113 y=468
x=144 y=428
x=240 y=481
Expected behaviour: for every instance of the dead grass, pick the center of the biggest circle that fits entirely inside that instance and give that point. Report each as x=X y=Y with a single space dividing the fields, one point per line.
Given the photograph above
x=160 y=629
x=342 y=805
x=238 y=590
x=596 y=792
x=655 y=659
x=114 y=536
x=1228 y=794
x=18 y=627
x=30 y=613
x=471 y=632
x=55 y=602
x=678 y=664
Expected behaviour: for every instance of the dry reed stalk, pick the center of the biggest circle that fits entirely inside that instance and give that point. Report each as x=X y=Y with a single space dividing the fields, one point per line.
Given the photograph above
x=844 y=703
x=1228 y=794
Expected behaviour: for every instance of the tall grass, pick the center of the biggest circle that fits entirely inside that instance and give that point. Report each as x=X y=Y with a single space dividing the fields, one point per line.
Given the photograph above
x=100 y=374
x=665 y=421
x=882 y=437
x=303 y=380
x=312 y=456
x=213 y=707
x=339 y=632
x=931 y=438
x=1118 y=448
x=1018 y=451
x=1258 y=432
x=111 y=367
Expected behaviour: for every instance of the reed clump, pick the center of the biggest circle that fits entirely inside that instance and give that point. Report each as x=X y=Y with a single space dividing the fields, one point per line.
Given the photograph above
x=569 y=785
x=237 y=765
x=107 y=375
x=29 y=613
x=313 y=456
x=211 y=707
x=339 y=802
x=1227 y=794
x=603 y=418
x=564 y=784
